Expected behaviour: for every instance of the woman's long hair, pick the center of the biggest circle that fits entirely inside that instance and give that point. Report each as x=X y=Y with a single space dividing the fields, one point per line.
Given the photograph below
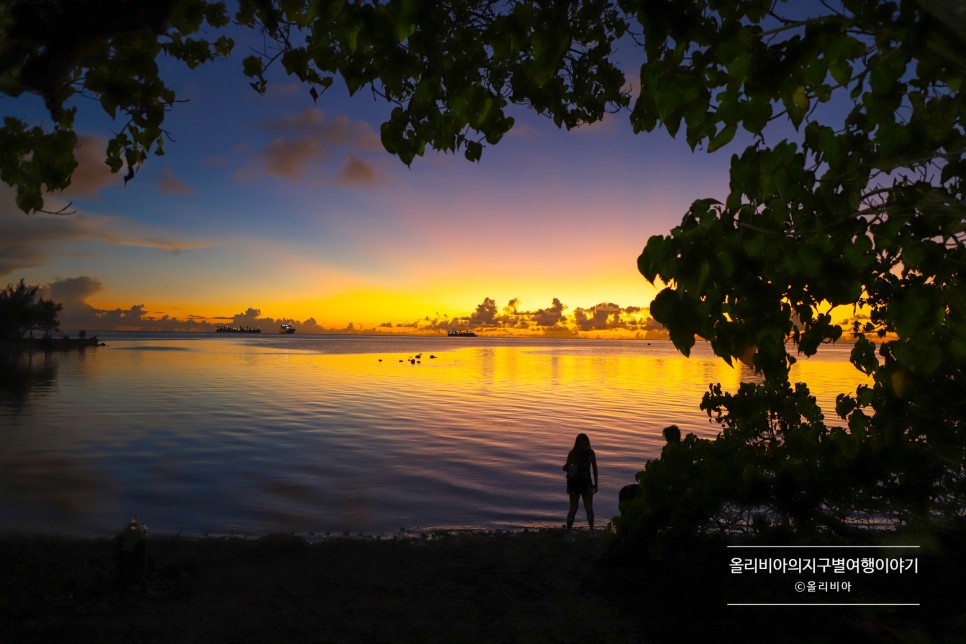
x=582 y=450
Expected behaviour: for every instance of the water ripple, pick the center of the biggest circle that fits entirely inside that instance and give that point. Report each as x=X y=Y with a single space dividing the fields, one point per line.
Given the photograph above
x=251 y=435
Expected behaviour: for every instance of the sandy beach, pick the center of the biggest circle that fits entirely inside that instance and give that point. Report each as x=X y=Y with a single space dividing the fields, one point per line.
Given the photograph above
x=538 y=586
x=469 y=587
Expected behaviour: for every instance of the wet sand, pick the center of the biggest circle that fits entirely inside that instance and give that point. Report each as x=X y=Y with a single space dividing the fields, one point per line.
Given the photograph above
x=498 y=587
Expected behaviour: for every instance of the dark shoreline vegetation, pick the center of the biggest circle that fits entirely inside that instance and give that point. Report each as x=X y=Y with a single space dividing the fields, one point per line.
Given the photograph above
x=49 y=344
x=537 y=585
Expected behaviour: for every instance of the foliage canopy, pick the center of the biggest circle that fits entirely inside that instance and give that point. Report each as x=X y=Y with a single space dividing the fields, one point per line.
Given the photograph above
x=850 y=193
x=451 y=68
x=106 y=51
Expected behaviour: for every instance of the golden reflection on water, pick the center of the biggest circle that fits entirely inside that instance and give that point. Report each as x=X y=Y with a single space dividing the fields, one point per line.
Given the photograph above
x=314 y=434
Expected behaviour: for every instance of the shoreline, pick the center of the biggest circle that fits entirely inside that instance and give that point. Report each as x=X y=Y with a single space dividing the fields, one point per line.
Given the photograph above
x=536 y=586
x=49 y=344
x=544 y=585
x=846 y=339
x=401 y=534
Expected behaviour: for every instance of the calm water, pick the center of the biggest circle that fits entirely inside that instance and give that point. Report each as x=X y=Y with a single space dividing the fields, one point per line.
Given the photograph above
x=248 y=435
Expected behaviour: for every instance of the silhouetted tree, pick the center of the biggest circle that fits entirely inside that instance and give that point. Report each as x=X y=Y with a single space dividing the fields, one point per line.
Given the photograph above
x=859 y=203
x=22 y=312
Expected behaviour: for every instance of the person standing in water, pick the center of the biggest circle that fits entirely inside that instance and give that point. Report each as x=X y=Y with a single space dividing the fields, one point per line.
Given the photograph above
x=580 y=462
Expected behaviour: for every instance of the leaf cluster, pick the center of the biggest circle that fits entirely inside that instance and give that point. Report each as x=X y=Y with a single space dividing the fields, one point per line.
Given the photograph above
x=451 y=69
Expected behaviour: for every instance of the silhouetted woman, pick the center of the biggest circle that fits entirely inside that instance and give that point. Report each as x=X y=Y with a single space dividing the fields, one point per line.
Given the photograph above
x=580 y=461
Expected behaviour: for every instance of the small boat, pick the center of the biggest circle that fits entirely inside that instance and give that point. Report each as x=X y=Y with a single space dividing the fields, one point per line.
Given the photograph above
x=286 y=328
x=453 y=333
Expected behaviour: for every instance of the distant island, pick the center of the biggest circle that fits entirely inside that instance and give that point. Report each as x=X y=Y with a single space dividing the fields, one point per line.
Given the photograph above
x=236 y=329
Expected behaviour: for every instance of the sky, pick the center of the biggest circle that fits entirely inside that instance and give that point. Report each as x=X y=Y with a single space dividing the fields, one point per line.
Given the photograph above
x=276 y=208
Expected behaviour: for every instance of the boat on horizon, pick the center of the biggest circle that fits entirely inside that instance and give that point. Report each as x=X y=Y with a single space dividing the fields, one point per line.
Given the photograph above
x=453 y=333
x=286 y=328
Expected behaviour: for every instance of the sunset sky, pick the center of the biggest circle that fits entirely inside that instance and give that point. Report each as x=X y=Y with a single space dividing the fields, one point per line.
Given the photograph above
x=275 y=208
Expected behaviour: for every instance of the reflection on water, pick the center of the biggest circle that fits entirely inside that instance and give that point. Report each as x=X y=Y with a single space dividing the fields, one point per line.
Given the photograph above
x=203 y=434
x=22 y=374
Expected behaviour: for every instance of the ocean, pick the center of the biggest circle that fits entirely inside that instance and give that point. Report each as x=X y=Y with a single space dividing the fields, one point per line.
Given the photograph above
x=223 y=434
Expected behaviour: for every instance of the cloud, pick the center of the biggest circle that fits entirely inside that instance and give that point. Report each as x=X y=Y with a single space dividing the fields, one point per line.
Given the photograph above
x=32 y=241
x=485 y=314
x=252 y=318
x=552 y=316
x=632 y=84
x=608 y=316
x=601 y=320
x=305 y=142
x=72 y=294
x=169 y=183
x=551 y=320
x=599 y=317
x=521 y=130
x=78 y=314
x=289 y=158
x=92 y=174
x=356 y=172
x=278 y=90
x=166 y=245
x=27 y=241
x=326 y=130
x=74 y=290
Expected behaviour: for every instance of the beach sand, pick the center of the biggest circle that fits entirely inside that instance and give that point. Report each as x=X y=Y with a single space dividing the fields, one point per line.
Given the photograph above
x=537 y=586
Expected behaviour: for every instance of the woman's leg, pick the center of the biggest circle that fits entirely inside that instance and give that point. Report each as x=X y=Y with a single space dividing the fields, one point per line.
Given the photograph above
x=574 y=499
x=589 y=507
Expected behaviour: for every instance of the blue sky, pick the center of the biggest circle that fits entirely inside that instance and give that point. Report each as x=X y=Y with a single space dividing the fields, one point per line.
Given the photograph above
x=291 y=208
